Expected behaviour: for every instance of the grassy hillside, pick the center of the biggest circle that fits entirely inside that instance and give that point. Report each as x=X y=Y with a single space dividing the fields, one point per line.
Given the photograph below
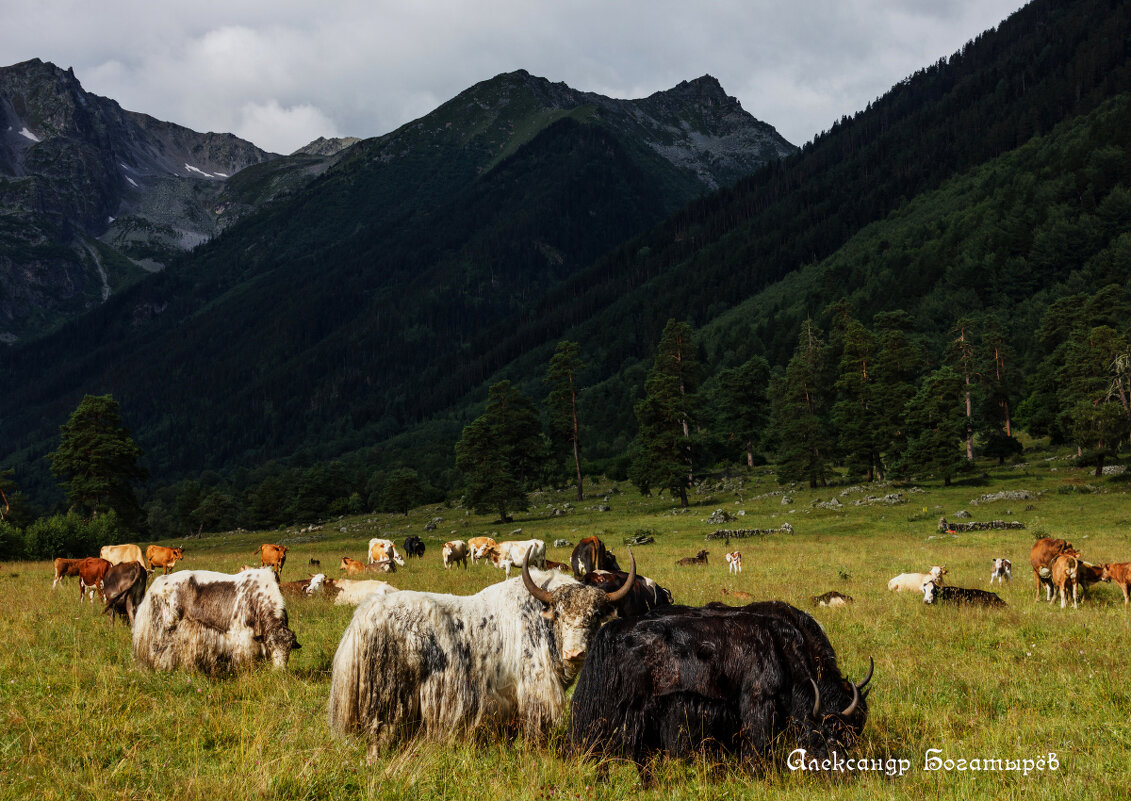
x=80 y=721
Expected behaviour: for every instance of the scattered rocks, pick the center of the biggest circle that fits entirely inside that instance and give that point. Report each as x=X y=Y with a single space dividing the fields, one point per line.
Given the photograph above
x=786 y=500
x=981 y=525
x=1114 y=470
x=1005 y=495
x=563 y=544
x=830 y=504
x=962 y=514
x=720 y=516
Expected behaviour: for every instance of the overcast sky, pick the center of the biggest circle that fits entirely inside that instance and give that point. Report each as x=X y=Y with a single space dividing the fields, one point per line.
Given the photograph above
x=283 y=73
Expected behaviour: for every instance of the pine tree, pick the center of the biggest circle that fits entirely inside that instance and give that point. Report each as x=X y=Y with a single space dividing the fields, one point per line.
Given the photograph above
x=740 y=401
x=662 y=450
x=856 y=411
x=800 y=406
x=402 y=491
x=97 y=460
x=501 y=453
x=561 y=403
x=961 y=355
x=937 y=423
x=898 y=364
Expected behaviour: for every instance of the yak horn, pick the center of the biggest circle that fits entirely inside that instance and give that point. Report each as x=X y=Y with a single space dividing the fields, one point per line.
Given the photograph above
x=539 y=593
x=855 y=701
x=868 y=678
x=628 y=582
x=816 y=699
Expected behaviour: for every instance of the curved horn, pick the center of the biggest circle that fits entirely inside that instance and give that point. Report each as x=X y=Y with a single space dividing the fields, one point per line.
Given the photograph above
x=628 y=582
x=855 y=701
x=868 y=678
x=539 y=593
x=816 y=699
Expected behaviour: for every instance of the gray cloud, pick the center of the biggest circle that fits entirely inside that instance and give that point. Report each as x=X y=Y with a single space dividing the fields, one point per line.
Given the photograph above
x=284 y=73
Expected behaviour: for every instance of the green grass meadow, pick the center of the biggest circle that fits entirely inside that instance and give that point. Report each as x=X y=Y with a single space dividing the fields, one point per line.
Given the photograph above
x=79 y=721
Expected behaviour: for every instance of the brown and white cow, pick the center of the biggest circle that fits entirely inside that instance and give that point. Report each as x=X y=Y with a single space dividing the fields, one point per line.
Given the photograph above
x=734 y=561
x=212 y=622
x=272 y=556
x=117 y=554
x=65 y=568
x=92 y=571
x=384 y=552
x=159 y=556
x=477 y=548
x=511 y=553
x=1043 y=554
x=1120 y=573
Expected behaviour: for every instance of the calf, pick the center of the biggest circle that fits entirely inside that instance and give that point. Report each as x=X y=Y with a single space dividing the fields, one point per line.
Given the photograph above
x=831 y=598
x=1064 y=574
x=1120 y=573
x=351 y=566
x=454 y=553
x=306 y=588
x=1043 y=554
x=734 y=560
x=961 y=596
x=699 y=559
x=739 y=594
x=1087 y=575
x=124 y=588
x=913 y=582
x=1003 y=571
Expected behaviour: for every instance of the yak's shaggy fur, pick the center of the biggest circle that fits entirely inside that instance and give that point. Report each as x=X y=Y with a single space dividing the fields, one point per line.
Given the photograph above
x=212 y=621
x=444 y=665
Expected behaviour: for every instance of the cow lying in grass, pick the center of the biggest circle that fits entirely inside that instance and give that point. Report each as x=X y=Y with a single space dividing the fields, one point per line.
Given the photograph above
x=913 y=582
x=962 y=596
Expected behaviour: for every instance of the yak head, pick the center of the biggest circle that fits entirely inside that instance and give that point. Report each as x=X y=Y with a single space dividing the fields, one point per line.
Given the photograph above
x=576 y=612
x=842 y=727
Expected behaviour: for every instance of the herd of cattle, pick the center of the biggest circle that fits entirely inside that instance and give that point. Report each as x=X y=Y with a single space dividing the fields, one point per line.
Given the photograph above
x=660 y=678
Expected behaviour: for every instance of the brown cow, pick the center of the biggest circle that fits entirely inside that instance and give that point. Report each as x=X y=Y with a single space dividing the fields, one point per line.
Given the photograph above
x=273 y=556
x=1044 y=553
x=1120 y=573
x=351 y=566
x=1087 y=575
x=699 y=559
x=92 y=571
x=477 y=548
x=65 y=568
x=159 y=556
x=1064 y=572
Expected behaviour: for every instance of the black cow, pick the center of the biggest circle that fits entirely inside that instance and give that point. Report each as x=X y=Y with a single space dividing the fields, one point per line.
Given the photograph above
x=963 y=596
x=680 y=680
x=590 y=554
x=414 y=546
x=645 y=594
x=124 y=588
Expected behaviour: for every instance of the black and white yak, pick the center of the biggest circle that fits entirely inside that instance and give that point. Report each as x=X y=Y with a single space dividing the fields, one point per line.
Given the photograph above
x=443 y=666
x=213 y=621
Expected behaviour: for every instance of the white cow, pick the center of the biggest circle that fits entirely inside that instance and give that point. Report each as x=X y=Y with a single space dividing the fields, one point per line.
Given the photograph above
x=505 y=555
x=351 y=592
x=734 y=559
x=381 y=550
x=913 y=582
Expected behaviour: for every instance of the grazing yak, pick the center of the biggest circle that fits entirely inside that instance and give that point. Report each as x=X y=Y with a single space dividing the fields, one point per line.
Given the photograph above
x=1043 y=554
x=590 y=554
x=158 y=556
x=212 y=621
x=962 y=596
x=446 y=665
x=124 y=588
x=682 y=680
x=645 y=594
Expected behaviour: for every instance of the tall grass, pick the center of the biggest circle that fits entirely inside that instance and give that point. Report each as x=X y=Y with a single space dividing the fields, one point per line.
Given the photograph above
x=79 y=721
